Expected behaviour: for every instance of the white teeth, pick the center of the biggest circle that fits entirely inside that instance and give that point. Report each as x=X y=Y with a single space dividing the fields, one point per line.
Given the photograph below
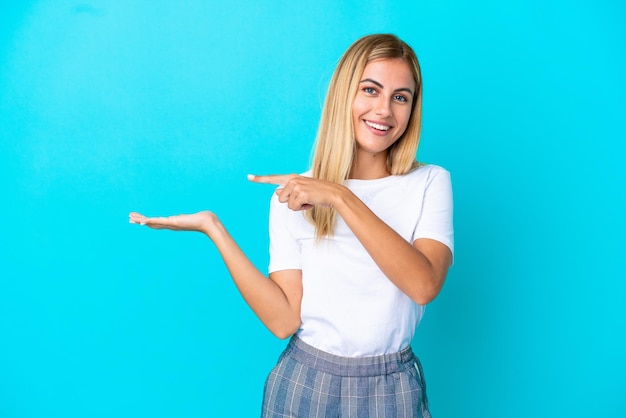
x=377 y=126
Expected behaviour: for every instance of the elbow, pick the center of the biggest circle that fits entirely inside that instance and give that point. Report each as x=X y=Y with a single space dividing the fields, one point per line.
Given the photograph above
x=284 y=329
x=424 y=298
x=427 y=293
x=282 y=335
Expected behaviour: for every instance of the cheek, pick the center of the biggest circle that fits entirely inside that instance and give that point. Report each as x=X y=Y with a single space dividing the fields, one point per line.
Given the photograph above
x=357 y=110
x=403 y=119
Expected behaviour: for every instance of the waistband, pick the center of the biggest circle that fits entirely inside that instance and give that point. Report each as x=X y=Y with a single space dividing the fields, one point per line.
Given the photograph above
x=350 y=366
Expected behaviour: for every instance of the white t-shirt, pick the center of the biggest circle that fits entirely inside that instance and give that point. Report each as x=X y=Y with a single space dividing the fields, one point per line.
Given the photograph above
x=349 y=307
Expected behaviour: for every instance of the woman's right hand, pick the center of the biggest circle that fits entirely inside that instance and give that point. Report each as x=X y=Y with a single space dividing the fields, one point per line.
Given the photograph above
x=276 y=301
x=200 y=222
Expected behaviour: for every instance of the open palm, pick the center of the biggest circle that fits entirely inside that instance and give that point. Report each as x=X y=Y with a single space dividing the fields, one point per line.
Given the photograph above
x=191 y=222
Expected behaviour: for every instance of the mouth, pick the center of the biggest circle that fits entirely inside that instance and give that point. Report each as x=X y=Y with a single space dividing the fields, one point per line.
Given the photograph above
x=377 y=126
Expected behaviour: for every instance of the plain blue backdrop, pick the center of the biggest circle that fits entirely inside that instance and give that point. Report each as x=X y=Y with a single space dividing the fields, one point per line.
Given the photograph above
x=164 y=107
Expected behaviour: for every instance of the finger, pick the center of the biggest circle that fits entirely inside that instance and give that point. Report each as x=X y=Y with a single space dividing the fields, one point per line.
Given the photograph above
x=284 y=193
x=282 y=197
x=296 y=205
x=277 y=179
x=136 y=218
x=159 y=221
x=299 y=202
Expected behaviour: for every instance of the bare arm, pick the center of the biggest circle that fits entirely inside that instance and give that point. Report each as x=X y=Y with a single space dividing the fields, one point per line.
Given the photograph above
x=419 y=270
x=276 y=301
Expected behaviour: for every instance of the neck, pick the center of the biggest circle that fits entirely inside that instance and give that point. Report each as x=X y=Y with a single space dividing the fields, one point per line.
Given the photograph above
x=367 y=166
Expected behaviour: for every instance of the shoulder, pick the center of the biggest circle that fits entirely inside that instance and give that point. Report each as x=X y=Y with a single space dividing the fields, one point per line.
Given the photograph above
x=425 y=174
x=428 y=170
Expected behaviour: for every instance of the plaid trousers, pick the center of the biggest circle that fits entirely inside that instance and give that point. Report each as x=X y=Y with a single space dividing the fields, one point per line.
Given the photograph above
x=307 y=382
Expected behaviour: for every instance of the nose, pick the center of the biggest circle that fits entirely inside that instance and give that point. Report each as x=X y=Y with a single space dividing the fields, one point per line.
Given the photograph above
x=383 y=107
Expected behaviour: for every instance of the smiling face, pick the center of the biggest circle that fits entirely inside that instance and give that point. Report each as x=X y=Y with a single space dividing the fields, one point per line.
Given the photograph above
x=382 y=106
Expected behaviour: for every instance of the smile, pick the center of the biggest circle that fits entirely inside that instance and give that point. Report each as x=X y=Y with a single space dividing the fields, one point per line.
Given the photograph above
x=377 y=126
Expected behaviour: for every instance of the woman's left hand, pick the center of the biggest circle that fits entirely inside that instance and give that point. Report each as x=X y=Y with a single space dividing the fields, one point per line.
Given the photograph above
x=301 y=193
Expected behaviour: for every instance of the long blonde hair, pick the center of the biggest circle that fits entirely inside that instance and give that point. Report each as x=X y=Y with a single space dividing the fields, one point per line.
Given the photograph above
x=335 y=145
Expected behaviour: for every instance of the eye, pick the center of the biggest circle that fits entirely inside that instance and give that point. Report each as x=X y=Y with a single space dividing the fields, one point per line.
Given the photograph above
x=369 y=90
x=400 y=98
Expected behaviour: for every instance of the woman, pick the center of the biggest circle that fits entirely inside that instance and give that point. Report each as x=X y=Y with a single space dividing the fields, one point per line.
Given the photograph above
x=358 y=246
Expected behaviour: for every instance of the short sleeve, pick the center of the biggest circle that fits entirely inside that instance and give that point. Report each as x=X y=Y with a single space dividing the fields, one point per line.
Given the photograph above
x=284 y=247
x=435 y=221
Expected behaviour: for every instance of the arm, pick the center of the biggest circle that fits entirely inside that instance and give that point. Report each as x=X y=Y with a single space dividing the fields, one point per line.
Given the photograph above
x=418 y=269
x=276 y=301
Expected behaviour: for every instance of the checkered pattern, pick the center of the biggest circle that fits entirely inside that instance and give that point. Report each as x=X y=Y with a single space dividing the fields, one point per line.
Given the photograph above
x=308 y=382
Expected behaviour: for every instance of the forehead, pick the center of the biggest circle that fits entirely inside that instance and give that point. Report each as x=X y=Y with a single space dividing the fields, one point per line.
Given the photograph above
x=393 y=73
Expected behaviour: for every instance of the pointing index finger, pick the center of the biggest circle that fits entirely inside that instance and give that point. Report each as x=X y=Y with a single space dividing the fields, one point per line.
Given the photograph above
x=277 y=179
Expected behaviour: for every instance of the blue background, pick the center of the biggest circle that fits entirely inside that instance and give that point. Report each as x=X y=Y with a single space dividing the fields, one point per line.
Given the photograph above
x=164 y=107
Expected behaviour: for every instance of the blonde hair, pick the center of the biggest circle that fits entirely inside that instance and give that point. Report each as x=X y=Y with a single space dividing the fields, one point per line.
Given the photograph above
x=335 y=145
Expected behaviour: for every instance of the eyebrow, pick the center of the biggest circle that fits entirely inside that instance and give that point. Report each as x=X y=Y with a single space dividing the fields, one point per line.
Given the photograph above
x=381 y=86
